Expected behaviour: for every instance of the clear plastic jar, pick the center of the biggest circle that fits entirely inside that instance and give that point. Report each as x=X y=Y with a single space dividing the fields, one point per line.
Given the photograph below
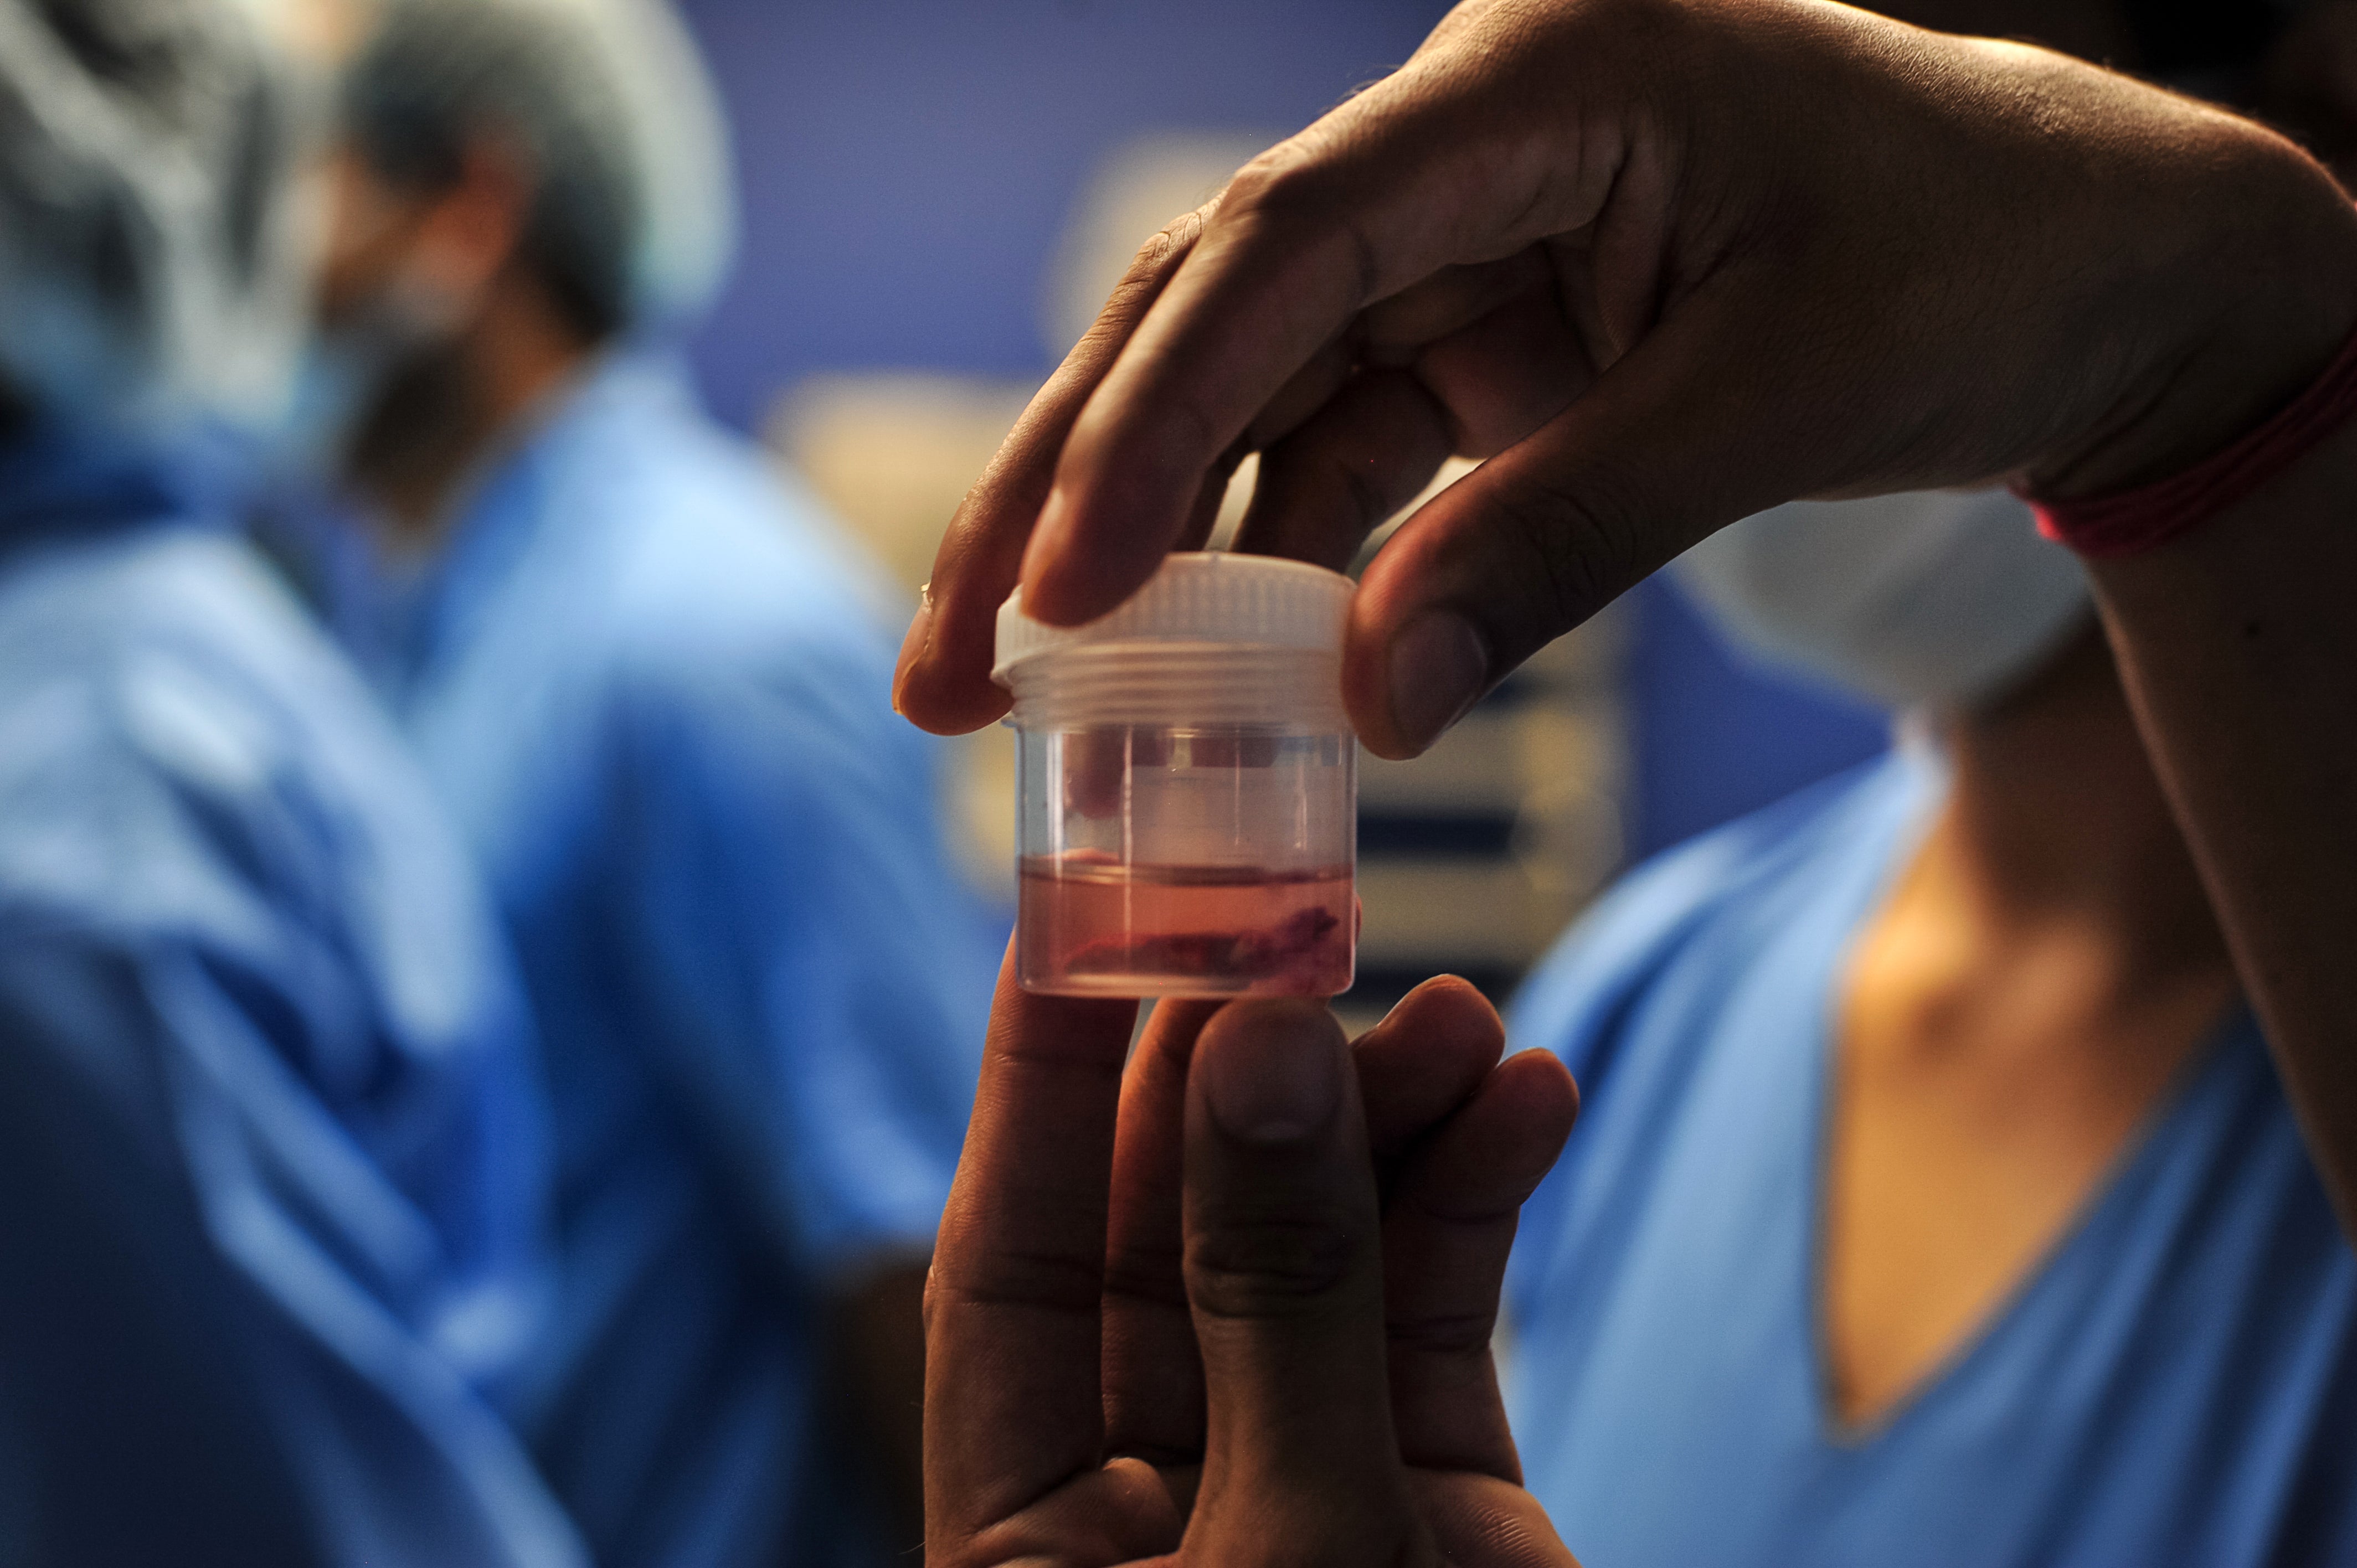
x=1188 y=787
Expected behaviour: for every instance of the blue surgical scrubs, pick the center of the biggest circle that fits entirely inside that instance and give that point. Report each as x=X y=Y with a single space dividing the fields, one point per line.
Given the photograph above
x=2174 y=1385
x=271 y=1176
x=654 y=689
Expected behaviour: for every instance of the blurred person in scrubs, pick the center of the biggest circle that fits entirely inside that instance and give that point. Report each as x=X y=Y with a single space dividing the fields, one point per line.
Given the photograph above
x=654 y=689
x=1934 y=1183
x=271 y=1180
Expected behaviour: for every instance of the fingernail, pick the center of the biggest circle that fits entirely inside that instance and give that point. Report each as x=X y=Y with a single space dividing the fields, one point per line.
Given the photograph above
x=1278 y=1095
x=912 y=647
x=1437 y=669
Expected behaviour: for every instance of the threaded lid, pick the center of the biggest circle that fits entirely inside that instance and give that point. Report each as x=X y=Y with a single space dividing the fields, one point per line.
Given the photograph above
x=1197 y=596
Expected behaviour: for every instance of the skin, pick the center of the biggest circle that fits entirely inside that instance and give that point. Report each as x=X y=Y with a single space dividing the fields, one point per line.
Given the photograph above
x=499 y=349
x=2039 y=977
x=1664 y=264
x=2237 y=656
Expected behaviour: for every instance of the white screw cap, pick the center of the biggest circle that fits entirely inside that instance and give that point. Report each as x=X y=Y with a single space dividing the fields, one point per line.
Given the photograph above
x=1198 y=596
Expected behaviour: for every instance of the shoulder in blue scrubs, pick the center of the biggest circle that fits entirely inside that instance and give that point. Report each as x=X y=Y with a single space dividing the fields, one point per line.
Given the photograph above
x=2173 y=1386
x=654 y=691
x=270 y=1178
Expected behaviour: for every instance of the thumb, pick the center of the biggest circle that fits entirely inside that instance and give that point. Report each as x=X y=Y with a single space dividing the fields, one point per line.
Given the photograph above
x=1681 y=435
x=1285 y=1283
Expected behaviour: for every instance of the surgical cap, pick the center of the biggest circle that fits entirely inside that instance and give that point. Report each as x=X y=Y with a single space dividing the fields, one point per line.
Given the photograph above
x=153 y=257
x=632 y=221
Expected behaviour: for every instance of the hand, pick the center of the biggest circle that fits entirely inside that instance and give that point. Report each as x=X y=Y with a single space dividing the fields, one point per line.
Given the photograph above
x=1661 y=263
x=1232 y=1306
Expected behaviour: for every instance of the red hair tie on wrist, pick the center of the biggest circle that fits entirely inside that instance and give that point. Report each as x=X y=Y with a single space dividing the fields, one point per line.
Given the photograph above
x=2131 y=521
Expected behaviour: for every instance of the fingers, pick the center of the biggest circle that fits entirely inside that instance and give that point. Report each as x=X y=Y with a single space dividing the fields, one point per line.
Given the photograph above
x=1284 y=1278
x=1361 y=457
x=1414 y=1068
x=1448 y=1231
x=944 y=682
x=1424 y=1061
x=1256 y=301
x=1395 y=330
x=1506 y=374
x=1153 y=1378
x=1463 y=1141
x=1404 y=179
x=1275 y=1277
x=1011 y=1389
x=1469 y=362
x=1680 y=436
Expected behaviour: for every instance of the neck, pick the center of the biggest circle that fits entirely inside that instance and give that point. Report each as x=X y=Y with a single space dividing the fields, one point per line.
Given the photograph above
x=447 y=410
x=2056 y=824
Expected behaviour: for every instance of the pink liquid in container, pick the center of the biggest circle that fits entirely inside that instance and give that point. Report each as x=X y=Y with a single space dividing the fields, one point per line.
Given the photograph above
x=1188 y=787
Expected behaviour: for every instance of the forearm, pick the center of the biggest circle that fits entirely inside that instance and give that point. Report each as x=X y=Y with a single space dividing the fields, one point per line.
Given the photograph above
x=2239 y=645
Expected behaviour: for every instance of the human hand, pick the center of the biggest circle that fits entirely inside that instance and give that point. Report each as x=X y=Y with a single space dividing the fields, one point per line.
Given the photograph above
x=1233 y=1305
x=1661 y=263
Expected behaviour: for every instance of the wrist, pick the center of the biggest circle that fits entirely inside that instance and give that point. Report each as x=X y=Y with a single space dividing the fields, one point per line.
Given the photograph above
x=2256 y=317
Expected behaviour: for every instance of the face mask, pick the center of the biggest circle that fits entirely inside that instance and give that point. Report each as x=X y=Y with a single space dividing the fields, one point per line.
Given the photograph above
x=332 y=386
x=346 y=366
x=1932 y=598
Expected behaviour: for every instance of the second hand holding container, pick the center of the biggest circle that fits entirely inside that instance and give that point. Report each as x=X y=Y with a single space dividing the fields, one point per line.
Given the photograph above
x=1188 y=787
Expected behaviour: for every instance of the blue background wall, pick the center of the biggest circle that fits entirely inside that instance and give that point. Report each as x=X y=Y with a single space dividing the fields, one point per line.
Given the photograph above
x=1714 y=739
x=906 y=168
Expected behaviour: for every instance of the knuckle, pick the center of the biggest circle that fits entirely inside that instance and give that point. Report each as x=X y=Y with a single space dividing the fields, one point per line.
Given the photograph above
x=1147 y=1272
x=1164 y=250
x=1302 y=189
x=1035 y=1279
x=1279 y=180
x=1444 y=1334
x=1269 y=1267
x=1142 y=281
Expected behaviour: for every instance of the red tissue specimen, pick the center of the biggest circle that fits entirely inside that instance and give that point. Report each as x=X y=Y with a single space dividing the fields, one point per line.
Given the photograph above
x=1092 y=926
x=1256 y=954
